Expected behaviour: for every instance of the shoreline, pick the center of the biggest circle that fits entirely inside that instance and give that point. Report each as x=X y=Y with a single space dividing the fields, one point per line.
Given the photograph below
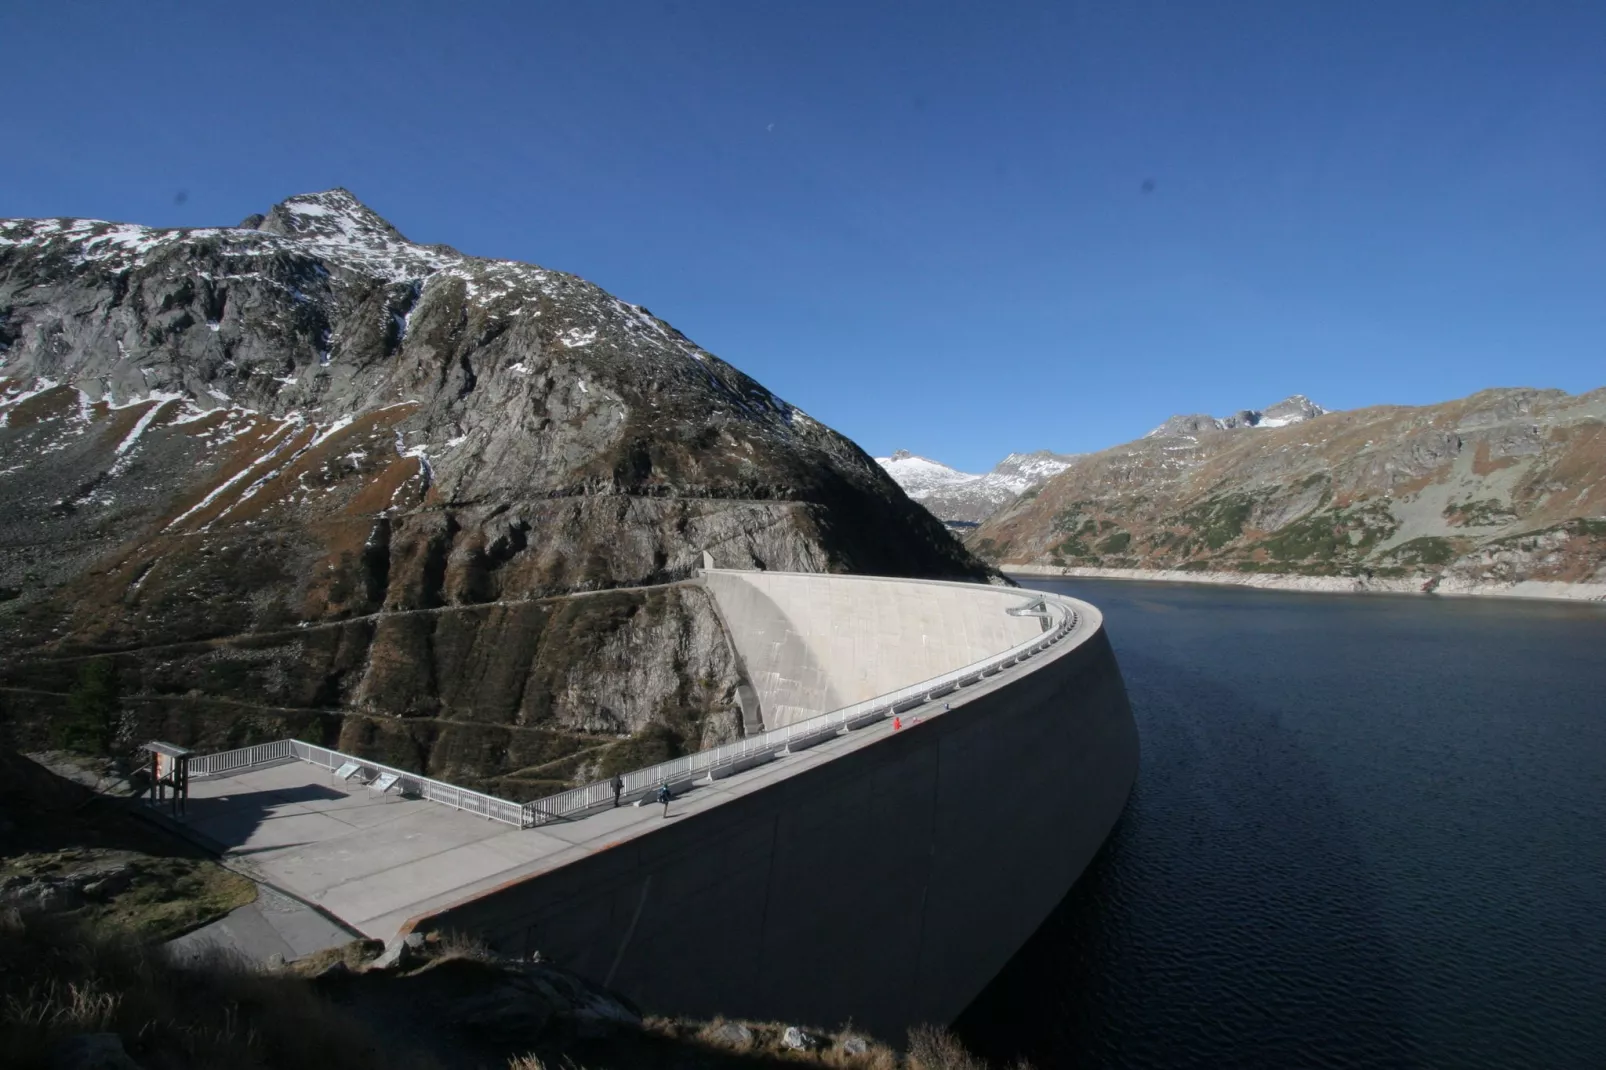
x=1544 y=590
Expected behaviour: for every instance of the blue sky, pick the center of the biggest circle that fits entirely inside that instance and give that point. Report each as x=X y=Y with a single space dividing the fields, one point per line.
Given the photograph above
x=962 y=229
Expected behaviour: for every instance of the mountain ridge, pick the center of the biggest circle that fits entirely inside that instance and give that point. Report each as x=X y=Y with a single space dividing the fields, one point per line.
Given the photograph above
x=964 y=499
x=1296 y=408
x=1505 y=487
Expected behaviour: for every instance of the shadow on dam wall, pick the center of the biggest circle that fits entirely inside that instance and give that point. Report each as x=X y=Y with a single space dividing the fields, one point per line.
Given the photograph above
x=885 y=885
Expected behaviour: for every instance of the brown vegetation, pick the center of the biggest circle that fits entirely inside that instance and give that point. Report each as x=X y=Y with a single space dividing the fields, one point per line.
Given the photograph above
x=1345 y=494
x=58 y=982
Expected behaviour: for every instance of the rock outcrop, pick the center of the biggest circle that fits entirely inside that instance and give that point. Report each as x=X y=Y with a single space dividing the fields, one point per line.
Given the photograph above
x=304 y=475
x=1295 y=409
x=1504 y=488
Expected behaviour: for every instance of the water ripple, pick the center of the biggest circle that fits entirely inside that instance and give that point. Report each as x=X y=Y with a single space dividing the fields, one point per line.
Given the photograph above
x=1367 y=832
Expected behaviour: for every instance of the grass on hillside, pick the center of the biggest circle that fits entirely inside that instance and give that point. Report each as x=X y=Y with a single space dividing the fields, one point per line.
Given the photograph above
x=164 y=896
x=54 y=830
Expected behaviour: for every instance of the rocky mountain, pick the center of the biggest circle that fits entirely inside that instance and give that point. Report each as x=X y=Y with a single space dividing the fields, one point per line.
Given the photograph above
x=963 y=499
x=1290 y=410
x=1498 y=488
x=303 y=475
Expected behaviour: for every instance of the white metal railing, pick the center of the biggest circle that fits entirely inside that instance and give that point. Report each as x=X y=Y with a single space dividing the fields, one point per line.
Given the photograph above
x=230 y=760
x=678 y=770
x=473 y=802
x=690 y=766
x=439 y=791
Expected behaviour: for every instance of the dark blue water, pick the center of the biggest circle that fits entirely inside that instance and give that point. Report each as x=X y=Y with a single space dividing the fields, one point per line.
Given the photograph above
x=1368 y=831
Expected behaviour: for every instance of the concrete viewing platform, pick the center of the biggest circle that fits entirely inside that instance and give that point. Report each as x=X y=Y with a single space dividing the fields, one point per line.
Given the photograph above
x=376 y=861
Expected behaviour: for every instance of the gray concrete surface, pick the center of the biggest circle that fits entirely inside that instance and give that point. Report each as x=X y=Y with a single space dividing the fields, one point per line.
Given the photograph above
x=377 y=862
x=371 y=860
x=812 y=643
x=274 y=927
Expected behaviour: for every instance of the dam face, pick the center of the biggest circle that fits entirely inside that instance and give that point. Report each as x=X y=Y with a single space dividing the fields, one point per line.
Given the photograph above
x=811 y=643
x=884 y=876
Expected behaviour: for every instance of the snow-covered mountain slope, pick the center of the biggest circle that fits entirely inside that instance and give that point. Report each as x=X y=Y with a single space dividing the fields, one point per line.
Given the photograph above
x=919 y=476
x=1021 y=472
x=306 y=475
x=965 y=498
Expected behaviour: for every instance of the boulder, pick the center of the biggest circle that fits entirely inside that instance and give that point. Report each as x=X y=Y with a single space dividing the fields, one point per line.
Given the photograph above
x=797 y=1040
x=401 y=953
x=103 y=884
x=731 y=1034
x=28 y=894
x=853 y=1044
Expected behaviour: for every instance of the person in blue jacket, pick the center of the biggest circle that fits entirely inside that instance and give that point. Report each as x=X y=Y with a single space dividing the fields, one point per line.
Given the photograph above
x=664 y=796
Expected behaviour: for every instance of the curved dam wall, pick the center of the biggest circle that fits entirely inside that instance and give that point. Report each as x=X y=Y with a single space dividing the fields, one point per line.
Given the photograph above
x=811 y=643
x=884 y=876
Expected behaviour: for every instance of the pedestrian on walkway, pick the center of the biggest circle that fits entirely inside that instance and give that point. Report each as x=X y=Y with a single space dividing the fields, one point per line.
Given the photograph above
x=664 y=796
x=618 y=789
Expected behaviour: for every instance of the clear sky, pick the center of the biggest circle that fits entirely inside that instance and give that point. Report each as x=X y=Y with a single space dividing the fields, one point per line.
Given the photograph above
x=961 y=229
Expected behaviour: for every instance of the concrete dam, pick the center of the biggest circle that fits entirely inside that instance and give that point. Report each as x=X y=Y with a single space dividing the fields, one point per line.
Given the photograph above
x=928 y=768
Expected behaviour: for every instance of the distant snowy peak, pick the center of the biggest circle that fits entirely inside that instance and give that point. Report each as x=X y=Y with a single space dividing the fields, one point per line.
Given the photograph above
x=332 y=213
x=1291 y=410
x=1027 y=470
x=965 y=497
x=921 y=475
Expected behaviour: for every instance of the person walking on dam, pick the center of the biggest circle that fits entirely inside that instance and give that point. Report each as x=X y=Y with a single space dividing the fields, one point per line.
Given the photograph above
x=618 y=789
x=664 y=796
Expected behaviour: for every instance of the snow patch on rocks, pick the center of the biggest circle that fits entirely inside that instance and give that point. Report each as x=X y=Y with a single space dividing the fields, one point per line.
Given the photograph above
x=1295 y=409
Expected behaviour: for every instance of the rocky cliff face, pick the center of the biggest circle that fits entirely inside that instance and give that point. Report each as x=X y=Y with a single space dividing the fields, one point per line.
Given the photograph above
x=303 y=474
x=1502 y=487
x=962 y=499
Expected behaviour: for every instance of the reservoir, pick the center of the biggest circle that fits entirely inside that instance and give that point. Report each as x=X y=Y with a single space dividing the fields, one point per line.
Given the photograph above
x=1367 y=831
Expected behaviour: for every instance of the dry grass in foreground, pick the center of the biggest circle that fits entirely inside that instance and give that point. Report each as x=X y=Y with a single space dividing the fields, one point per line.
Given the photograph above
x=60 y=981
